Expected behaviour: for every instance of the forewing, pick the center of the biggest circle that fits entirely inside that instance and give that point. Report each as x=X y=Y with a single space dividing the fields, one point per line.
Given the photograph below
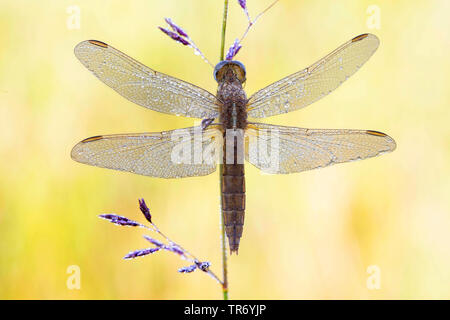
x=309 y=85
x=143 y=85
x=278 y=149
x=169 y=154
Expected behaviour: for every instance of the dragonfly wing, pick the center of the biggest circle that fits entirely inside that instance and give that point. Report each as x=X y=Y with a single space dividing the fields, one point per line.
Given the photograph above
x=278 y=149
x=309 y=85
x=169 y=154
x=144 y=86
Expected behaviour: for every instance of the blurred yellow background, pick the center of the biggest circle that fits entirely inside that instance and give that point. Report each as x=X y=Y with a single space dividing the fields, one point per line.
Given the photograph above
x=309 y=235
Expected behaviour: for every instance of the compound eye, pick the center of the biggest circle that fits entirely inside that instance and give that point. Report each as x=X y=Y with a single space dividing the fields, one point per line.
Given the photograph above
x=218 y=70
x=239 y=70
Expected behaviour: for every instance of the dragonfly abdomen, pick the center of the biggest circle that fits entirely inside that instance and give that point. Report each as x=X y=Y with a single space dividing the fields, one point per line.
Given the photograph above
x=233 y=178
x=233 y=202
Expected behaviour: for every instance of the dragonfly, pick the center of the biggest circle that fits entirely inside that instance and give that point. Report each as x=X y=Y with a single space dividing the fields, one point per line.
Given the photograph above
x=226 y=136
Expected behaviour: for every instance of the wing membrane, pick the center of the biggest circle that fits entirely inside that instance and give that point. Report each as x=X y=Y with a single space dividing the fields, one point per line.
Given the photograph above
x=309 y=85
x=169 y=154
x=144 y=86
x=278 y=149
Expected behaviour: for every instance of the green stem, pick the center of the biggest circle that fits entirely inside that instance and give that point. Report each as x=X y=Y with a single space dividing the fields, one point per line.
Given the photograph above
x=224 y=238
x=224 y=28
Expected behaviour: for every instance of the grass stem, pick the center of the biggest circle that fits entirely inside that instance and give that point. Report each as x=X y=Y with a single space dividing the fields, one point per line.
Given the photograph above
x=224 y=28
x=223 y=236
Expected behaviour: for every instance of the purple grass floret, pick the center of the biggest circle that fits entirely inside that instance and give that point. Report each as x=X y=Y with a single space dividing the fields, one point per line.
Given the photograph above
x=175 y=36
x=203 y=265
x=145 y=210
x=176 y=28
x=175 y=248
x=167 y=245
x=181 y=36
x=188 y=269
x=154 y=241
x=119 y=220
x=234 y=49
x=243 y=4
x=140 y=253
x=206 y=123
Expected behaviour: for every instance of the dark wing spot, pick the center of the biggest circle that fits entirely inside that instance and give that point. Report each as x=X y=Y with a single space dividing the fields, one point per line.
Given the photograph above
x=95 y=138
x=376 y=133
x=360 y=37
x=98 y=43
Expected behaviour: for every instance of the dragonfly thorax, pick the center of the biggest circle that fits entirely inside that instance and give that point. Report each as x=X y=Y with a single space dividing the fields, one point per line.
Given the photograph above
x=233 y=106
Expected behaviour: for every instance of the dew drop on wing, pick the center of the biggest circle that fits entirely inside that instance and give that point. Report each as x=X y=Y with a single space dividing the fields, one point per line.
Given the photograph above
x=286 y=106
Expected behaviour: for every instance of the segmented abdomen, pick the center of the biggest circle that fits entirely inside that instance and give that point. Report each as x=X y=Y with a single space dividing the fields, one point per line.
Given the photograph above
x=233 y=202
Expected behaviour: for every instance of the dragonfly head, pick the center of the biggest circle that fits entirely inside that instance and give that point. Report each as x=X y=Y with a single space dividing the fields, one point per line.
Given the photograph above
x=229 y=69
